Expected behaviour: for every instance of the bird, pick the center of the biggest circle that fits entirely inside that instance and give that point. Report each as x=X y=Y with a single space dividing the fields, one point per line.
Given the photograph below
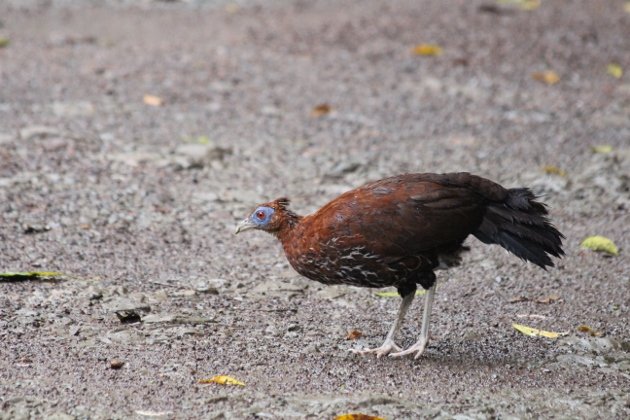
x=399 y=231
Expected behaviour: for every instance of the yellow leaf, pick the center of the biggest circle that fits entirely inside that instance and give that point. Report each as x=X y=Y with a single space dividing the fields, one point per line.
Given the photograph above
x=528 y=5
x=30 y=275
x=427 y=49
x=548 y=77
x=357 y=416
x=4 y=42
x=153 y=100
x=553 y=170
x=535 y=332
x=602 y=148
x=395 y=294
x=615 y=70
x=232 y=8
x=600 y=244
x=221 y=380
x=321 y=110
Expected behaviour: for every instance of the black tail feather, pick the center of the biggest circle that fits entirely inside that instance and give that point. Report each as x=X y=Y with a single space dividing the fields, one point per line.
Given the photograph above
x=520 y=225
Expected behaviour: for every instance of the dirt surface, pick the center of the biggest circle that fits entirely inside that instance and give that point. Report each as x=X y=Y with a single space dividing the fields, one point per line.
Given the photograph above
x=136 y=205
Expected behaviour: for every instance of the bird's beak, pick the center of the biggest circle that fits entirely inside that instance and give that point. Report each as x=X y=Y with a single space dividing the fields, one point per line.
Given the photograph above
x=244 y=225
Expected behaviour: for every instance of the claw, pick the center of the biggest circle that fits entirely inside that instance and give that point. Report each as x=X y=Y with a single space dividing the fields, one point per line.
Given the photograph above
x=386 y=348
x=417 y=348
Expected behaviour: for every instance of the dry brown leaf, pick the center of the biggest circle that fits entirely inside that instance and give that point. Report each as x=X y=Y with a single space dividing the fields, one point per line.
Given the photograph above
x=592 y=332
x=357 y=416
x=321 y=110
x=548 y=77
x=354 y=334
x=232 y=8
x=153 y=100
x=221 y=380
x=548 y=299
x=428 y=50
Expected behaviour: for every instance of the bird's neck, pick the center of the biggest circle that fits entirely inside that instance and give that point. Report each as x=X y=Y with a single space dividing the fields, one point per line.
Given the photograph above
x=288 y=226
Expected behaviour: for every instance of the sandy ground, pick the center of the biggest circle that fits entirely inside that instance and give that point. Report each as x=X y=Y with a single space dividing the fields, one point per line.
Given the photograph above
x=136 y=205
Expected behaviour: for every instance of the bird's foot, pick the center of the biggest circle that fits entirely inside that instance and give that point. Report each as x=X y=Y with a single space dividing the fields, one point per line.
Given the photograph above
x=386 y=348
x=417 y=348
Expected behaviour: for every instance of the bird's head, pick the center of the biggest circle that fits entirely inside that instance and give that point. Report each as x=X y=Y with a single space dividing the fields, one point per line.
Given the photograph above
x=270 y=217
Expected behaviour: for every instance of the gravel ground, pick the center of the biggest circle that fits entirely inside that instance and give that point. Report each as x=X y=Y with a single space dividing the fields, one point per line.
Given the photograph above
x=136 y=205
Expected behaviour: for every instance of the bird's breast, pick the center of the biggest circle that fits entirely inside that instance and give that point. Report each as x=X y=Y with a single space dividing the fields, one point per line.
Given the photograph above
x=334 y=262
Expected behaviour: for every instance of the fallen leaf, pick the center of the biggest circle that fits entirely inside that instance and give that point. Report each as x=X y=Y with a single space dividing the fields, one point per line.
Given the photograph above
x=148 y=413
x=221 y=380
x=530 y=4
x=591 y=331
x=517 y=299
x=321 y=110
x=531 y=316
x=599 y=243
x=615 y=70
x=153 y=100
x=395 y=294
x=30 y=275
x=232 y=8
x=4 y=42
x=357 y=416
x=429 y=50
x=354 y=334
x=535 y=332
x=203 y=140
x=548 y=299
x=626 y=7
x=527 y=5
x=602 y=148
x=553 y=170
x=548 y=77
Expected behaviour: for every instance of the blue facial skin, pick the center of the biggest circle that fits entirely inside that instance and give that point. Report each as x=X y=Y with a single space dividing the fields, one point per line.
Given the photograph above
x=262 y=216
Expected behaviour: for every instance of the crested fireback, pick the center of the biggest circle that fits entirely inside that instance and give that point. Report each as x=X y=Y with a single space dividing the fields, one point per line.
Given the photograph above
x=397 y=231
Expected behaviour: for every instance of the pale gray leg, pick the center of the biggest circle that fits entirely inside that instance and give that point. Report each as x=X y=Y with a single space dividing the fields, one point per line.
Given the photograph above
x=389 y=345
x=420 y=345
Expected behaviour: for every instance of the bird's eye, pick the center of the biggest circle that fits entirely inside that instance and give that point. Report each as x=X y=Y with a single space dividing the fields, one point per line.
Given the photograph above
x=260 y=214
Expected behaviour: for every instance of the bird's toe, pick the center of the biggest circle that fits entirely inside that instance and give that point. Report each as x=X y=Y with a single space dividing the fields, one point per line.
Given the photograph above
x=386 y=348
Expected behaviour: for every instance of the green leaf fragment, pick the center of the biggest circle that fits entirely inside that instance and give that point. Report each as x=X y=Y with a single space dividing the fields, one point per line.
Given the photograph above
x=615 y=70
x=4 y=42
x=602 y=148
x=600 y=243
x=30 y=275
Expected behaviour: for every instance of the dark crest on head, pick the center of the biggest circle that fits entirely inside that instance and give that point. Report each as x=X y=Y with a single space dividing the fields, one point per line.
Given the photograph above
x=283 y=203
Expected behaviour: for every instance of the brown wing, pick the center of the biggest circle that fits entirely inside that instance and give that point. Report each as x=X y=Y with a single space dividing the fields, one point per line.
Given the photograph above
x=407 y=215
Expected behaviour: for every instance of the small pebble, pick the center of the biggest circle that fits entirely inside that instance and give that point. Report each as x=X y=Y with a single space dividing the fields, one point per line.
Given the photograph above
x=116 y=364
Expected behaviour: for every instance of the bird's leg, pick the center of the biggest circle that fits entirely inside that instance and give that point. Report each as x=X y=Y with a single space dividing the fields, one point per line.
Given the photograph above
x=418 y=348
x=388 y=345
